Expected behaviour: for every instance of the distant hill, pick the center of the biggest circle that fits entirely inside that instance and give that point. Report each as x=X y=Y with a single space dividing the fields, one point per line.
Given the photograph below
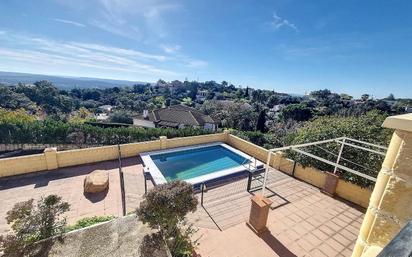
x=12 y=78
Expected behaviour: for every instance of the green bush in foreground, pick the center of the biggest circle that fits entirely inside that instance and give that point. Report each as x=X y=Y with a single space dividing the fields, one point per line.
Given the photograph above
x=31 y=223
x=88 y=221
x=164 y=208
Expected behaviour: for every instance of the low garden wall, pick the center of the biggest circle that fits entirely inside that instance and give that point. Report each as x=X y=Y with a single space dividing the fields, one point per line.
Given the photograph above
x=13 y=147
x=52 y=159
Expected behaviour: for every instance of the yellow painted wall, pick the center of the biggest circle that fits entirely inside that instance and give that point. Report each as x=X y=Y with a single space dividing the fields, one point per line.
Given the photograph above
x=311 y=175
x=251 y=149
x=353 y=193
x=133 y=149
x=195 y=140
x=22 y=165
x=33 y=163
x=88 y=155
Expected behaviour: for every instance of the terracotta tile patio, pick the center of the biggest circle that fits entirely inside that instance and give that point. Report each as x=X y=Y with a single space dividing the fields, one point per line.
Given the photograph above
x=67 y=183
x=302 y=222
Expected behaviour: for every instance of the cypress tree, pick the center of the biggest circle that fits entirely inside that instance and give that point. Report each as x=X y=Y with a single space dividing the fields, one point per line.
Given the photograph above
x=261 y=122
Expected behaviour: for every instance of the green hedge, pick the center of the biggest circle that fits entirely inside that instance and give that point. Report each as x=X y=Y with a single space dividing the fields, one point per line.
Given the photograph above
x=366 y=127
x=58 y=132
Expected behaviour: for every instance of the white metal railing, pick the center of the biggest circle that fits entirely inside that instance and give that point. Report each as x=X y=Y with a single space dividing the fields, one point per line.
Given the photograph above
x=343 y=141
x=247 y=163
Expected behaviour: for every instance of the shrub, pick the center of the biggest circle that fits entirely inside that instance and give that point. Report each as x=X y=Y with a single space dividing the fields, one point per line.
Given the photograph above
x=15 y=117
x=58 y=132
x=121 y=117
x=365 y=127
x=33 y=223
x=88 y=221
x=164 y=208
x=298 y=112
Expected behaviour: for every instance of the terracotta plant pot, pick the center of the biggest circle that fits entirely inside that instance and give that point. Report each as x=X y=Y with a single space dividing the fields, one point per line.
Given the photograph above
x=331 y=182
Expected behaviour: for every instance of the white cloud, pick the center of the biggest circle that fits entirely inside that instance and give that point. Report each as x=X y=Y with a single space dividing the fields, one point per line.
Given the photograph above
x=35 y=50
x=140 y=20
x=74 y=23
x=170 y=49
x=29 y=53
x=120 y=31
x=121 y=51
x=279 y=22
x=322 y=48
x=196 y=63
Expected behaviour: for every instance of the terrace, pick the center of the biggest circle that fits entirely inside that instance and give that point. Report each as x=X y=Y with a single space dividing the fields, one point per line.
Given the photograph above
x=302 y=220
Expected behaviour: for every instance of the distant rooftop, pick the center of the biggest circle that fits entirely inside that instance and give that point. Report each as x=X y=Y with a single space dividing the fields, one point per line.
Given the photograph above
x=179 y=114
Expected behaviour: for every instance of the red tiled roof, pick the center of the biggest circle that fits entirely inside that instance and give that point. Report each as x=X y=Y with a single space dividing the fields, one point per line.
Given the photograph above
x=180 y=114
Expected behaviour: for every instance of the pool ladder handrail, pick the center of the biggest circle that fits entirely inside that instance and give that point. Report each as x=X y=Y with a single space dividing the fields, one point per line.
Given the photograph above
x=249 y=165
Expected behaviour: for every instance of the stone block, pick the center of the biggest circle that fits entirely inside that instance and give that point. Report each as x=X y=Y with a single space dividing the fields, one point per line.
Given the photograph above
x=396 y=199
x=97 y=181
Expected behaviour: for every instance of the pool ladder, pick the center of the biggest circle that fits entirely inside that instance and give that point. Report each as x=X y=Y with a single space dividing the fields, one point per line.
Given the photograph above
x=250 y=164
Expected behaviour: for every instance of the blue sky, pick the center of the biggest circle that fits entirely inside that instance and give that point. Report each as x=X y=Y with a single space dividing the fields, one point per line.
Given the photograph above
x=291 y=46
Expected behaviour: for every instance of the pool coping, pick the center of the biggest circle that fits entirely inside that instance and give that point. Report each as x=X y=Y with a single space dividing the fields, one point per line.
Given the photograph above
x=158 y=177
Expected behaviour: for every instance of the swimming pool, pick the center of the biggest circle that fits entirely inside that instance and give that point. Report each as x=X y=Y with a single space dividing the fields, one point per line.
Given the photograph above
x=195 y=164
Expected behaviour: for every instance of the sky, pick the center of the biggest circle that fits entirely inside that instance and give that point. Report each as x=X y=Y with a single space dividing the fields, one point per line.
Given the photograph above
x=291 y=46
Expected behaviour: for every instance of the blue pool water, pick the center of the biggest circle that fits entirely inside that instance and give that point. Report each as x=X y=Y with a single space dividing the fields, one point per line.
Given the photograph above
x=193 y=163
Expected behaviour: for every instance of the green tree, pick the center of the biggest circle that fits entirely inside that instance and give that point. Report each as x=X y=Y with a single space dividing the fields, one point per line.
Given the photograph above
x=187 y=101
x=32 y=223
x=121 y=117
x=346 y=96
x=261 y=122
x=390 y=97
x=365 y=97
x=273 y=100
x=11 y=100
x=320 y=94
x=247 y=92
x=165 y=208
x=15 y=117
x=298 y=112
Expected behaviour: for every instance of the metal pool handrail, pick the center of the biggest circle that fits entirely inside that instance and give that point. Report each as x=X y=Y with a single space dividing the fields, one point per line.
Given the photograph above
x=248 y=167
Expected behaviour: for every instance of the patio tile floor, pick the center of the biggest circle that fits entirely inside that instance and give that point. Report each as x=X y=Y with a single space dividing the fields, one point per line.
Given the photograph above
x=302 y=221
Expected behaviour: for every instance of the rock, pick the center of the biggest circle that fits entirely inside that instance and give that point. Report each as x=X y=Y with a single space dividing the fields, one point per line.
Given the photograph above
x=97 y=181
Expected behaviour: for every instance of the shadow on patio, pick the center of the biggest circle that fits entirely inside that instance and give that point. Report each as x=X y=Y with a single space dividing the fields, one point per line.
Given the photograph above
x=302 y=221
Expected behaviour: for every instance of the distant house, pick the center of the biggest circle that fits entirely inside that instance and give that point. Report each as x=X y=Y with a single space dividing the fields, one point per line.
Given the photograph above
x=176 y=116
x=105 y=108
x=390 y=102
x=408 y=109
x=277 y=107
x=102 y=117
x=201 y=95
